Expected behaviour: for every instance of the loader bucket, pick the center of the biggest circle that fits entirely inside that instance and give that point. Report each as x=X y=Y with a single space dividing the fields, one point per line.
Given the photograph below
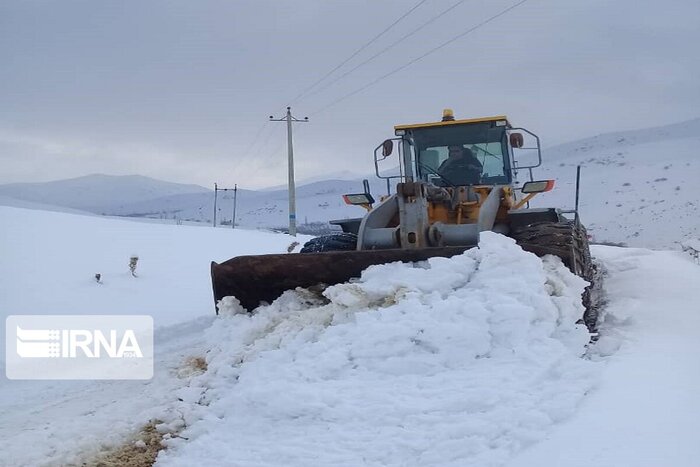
x=254 y=280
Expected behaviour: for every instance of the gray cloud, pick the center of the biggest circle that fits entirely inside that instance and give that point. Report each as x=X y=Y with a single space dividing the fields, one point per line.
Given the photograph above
x=179 y=90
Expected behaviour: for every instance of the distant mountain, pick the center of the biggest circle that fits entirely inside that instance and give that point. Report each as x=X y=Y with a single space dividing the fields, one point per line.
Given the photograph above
x=97 y=193
x=316 y=202
x=340 y=175
x=637 y=188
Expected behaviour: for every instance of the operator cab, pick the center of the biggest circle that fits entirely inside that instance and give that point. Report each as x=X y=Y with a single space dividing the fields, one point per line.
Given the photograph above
x=485 y=139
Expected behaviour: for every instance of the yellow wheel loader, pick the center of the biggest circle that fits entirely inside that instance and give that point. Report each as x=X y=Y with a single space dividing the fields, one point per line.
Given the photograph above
x=456 y=178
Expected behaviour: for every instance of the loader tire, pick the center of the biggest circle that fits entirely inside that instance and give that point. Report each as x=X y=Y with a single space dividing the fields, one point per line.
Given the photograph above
x=568 y=240
x=332 y=242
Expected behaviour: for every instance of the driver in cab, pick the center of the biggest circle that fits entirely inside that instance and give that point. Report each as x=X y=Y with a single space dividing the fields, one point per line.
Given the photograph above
x=461 y=167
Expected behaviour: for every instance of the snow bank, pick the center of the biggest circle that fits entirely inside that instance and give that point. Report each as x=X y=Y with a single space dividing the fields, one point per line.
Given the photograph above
x=458 y=361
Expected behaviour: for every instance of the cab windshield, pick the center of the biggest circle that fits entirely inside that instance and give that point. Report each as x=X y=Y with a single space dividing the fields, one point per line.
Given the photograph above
x=485 y=141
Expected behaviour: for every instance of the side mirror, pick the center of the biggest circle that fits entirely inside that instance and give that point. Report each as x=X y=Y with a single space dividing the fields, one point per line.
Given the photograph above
x=387 y=147
x=538 y=187
x=516 y=140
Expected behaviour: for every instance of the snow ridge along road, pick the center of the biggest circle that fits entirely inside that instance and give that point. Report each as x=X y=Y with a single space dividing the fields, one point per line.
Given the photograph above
x=459 y=361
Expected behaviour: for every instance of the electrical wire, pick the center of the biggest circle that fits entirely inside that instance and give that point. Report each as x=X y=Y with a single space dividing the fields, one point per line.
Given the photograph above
x=265 y=143
x=255 y=138
x=357 y=52
x=389 y=47
x=249 y=149
x=267 y=156
x=420 y=57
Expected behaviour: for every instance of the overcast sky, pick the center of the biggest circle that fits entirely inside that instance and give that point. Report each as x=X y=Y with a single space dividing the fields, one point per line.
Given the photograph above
x=182 y=90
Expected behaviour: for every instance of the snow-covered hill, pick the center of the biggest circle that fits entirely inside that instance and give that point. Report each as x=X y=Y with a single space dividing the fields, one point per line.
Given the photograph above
x=462 y=361
x=20 y=203
x=637 y=187
x=96 y=193
x=340 y=175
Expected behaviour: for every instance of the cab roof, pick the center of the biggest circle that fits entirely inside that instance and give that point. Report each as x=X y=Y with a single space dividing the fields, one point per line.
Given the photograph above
x=453 y=122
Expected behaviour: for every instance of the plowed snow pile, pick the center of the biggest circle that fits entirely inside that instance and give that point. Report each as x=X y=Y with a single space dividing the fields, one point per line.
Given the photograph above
x=459 y=361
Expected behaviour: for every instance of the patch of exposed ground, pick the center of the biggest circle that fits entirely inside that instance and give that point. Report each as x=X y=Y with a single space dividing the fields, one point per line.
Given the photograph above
x=192 y=366
x=140 y=451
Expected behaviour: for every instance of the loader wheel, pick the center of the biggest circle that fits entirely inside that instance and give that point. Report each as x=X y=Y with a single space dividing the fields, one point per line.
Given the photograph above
x=569 y=241
x=332 y=242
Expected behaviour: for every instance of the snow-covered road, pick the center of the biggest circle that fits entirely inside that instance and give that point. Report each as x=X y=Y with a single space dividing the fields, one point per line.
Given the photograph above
x=646 y=410
x=473 y=360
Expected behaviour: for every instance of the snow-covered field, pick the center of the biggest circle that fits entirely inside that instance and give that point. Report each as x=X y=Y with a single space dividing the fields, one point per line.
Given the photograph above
x=474 y=360
x=49 y=261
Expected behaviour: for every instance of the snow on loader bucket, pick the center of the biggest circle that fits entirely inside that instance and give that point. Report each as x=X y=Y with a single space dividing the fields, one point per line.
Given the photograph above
x=263 y=278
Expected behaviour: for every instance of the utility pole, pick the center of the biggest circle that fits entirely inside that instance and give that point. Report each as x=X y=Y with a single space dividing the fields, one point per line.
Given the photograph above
x=290 y=156
x=216 y=190
x=235 y=199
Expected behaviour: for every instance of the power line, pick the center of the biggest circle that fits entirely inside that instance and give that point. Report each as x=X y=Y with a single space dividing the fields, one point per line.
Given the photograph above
x=391 y=46
x=255 y=138
x=265 y=155
x=420 y=57
x=265 y=141
x=354 y=54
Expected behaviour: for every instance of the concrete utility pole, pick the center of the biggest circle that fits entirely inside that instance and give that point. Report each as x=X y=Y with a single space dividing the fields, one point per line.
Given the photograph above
x=290 y=154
